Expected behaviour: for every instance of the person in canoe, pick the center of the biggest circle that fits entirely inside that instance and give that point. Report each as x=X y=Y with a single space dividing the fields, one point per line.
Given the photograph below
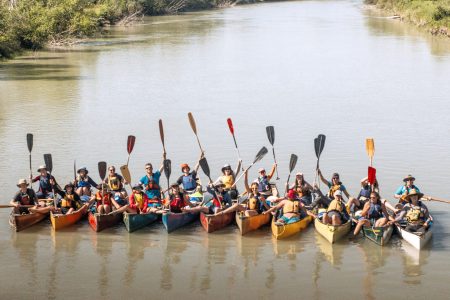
x=179 y=201
x=415 y=213
x=189 y=179
x=25 y=199
x=358 y=203
x=228 y=177
x=70 y=201
x=47 y=184
x=138 y=201
x=116 y=185
x=84 y=183
x=334 y=185
x=302 y=188
x=104 y=199
x=402 y=192
x=336 y=213
x=374 y=213
x=292 y=209
x=264 y=186
x=150 y=181
x=221 y=199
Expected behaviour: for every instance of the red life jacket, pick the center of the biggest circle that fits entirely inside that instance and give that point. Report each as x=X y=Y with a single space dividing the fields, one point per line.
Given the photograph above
x=177 y=202
x=106 y=197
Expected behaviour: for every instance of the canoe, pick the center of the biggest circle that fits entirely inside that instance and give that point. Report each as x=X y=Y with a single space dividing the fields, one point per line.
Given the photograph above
x=417 y=241
x=247 y=224
x=173 y=221
x=99 y=222
x=378 y=235
x=332 y=233
x=21 y=222
x=286 y=230
x=134 y=222
x=60 y=221
x=212 y=223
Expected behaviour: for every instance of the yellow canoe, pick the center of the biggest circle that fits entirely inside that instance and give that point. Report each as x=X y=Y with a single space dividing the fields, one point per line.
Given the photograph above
x=61 y=221
x=332 y=233
x=286 y=230
x=247 y=224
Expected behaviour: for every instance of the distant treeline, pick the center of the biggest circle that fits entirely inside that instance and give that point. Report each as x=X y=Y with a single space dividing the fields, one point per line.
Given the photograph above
x=32 y=24
x=434 y=15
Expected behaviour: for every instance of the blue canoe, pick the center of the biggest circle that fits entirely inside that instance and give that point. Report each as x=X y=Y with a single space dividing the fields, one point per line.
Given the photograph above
x=173 y=221
x=134 y=222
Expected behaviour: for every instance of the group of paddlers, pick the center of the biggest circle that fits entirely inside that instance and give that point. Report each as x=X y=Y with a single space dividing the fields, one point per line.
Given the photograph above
x=260 y=197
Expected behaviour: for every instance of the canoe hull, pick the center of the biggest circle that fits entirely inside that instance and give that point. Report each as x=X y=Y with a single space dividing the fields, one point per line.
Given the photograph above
x=284 y=231
x=415 y=240
x=212 y=223
x=100 y=222
x=332 y=233
x=62 y=221
x=378 y=235
x=134 y=222
x=21 y=222
x=173 y=221
x=247 y=224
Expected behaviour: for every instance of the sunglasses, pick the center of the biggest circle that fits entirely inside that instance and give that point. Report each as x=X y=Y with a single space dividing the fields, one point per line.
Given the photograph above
x=148 y=168
x=112 y=170
x=335 y=177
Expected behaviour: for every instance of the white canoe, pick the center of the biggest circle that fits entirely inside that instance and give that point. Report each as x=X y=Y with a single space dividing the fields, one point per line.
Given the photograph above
x=417 y=241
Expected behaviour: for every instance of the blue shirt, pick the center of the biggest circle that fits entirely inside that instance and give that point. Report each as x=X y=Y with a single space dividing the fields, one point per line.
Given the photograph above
x=401 y=190
x=153 y=193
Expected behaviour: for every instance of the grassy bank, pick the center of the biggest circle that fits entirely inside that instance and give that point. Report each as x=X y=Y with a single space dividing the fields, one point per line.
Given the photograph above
x=433 y=15
x=34 y=24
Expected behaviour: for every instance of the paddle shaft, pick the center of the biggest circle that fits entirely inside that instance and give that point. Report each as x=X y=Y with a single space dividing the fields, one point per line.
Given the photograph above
x=275 y=160
x=287 y=183
x=429 y=198
x=9 y=206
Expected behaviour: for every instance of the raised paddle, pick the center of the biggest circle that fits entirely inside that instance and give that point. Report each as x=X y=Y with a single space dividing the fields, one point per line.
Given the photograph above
x=205 y=167
x=230 y=126
x=292 y=164
x=102 y=173
x=370 y=148
x=261 y=153
x=130 y=145
x=194 y=129
x=75 y=171
x=319 y=144
x=371 y=175
x=167 y=166
x=126 y=174
x=30 y=147
x=161 y=134
x=49 y=166
x=271 y=136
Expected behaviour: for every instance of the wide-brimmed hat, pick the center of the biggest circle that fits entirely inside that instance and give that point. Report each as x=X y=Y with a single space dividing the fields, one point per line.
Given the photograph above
x=219 y=183
x=22 y=181
x=413 y=192
x=69 y=184
x=409 y=177
x=41 y=167
x=255 y=182
x=335 y=175
x=174 y=184
x=137 y=186
x=227 y=166
x=337 y=193
x=185 y=166
x=299 y=174
x=261 y=169
x=82 y=169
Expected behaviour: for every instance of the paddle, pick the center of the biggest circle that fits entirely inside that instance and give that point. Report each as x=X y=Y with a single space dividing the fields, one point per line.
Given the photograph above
x=130 y=145
x=319 y=144
x=371 y=177
x=230 y=126
x=429 y=198
x=194 y=129
x=161 y=134
x=126 y=174
x=102 y=172
x=292 y=164
x=205 y=167
x=49 y=165
x=30 y=147
x=9 y=205
x=370 y=148
x=261 y=153
x=75 y=171
x=167 y=166
x=271 y=136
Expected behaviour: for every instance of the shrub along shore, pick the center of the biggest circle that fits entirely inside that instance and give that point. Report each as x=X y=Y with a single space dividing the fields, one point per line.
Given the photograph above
x=35 y=24
x=433 y=15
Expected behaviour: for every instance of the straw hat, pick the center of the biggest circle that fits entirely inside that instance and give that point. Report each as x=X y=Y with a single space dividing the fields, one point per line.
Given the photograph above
x=413 y=192
x=83 y=169
x=137 y=186
x=409 y=177
x=41 y=167
x=22 y=181
x=227 y=166
x=337 y=193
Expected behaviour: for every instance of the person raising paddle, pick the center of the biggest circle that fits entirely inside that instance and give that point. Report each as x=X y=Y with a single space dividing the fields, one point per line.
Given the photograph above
x=228 y=178
x=189 y=179
x=150 y=181
x=47 y=183
x=264 y=186
x=301 y=185
x=84 y=183
x=116 y=184
x=334 y=185
x=179 y=201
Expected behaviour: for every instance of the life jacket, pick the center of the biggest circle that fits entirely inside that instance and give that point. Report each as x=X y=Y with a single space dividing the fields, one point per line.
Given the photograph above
x=365 y=192
x=189 y=182
x=44 y=183
x=83 y=181
x=375 y=211
x=139 y=200
x=336 y=206
x=152 y=185
x=228 y=180
x=25 y=199
x=218 y=200
x=333 y=189
x=415 y=215
x=292 y=206
x=106 y=198
x=67 y=201
x=114 y=182
x=253 y=202
x=406 y=191
x=263 y=184
x=306 y=191
x=177 y=202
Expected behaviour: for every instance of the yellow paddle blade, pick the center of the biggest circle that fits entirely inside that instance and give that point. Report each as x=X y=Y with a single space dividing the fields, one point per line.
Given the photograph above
x=370 y=147
x=126 y=173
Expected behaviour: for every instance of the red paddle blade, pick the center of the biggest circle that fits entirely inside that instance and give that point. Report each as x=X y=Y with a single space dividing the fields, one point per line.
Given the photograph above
x=371 y=177
x=130 y=143
x=230 y=125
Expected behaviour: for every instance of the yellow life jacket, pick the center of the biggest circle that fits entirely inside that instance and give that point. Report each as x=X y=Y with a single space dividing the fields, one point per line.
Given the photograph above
x=66 y=202
x=228 y=180
x=139 y=200
x=114 y=183
x=252 y=203
x=336 y=205
x=414 y=215
x=332 y=190
x=292 y=206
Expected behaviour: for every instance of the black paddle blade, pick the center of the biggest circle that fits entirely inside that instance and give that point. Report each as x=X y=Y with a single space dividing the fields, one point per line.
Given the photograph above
x=292 y=162
x=130 y=143
x=260 y=154
x=30 y=141
x=102 y=169
x=317 y=146
x=270 y=134
x=48 y=162
x=205 y=167
x=167 y=165
x=322 y=139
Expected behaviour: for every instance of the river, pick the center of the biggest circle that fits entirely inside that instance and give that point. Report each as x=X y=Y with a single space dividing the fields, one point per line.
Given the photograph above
x=305 y=67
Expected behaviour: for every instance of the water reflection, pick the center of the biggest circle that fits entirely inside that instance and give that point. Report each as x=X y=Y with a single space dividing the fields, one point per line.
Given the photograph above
x=413 y=262
x=331 y=252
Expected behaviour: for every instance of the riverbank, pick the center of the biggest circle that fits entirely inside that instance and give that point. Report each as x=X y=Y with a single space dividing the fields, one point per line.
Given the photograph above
x=433 y=16
x=37 y=24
